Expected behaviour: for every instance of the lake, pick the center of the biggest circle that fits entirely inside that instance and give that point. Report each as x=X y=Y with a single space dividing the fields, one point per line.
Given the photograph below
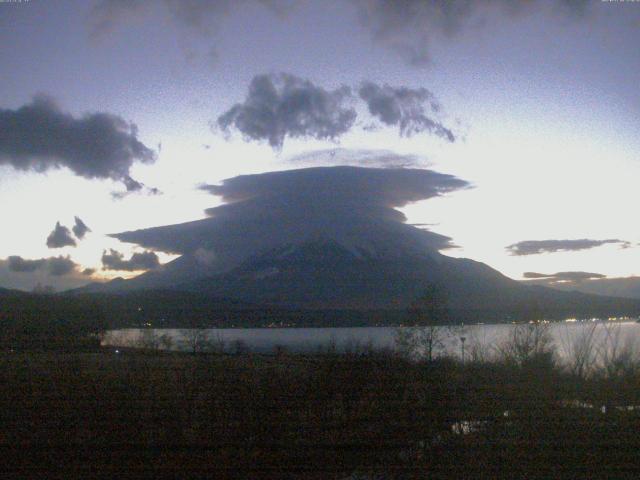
x=605 y=336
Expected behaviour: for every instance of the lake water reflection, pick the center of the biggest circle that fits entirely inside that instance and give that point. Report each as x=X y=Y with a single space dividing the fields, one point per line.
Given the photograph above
x=483 y=338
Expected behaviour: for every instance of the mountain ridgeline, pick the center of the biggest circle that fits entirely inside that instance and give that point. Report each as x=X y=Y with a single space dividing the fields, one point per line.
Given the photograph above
x=324 y=246
x=322 y=282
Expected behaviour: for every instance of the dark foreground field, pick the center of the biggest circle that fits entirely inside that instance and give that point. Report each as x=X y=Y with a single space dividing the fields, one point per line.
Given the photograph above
x=363 y=415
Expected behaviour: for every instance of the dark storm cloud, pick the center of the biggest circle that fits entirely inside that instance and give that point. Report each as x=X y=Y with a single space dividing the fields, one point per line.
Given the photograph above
x=410 y=27
x=356 y=207
x=39 y=137
x=573 y=277
x=56 y=266
x=80 y=228
x=412 y=110
x=60 y=237
x=114 y=260
x=88 y=271
x=533 y=247
x=283 y=105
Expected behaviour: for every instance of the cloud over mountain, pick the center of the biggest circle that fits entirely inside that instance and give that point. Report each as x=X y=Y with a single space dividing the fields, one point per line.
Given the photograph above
x=356 y=158
x=22 y=265
x=60 y=237
x=356 y=207
x=569 y=277
x=31 y=274
x=114 y=260
x=587 y=282
x=56 y=266
x=534 y=247
x=61 y=266
x=39 y=137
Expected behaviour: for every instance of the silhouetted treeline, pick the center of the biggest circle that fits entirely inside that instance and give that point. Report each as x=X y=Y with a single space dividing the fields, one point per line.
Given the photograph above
x=50 y=322
x=361 y=415
x=170 y=308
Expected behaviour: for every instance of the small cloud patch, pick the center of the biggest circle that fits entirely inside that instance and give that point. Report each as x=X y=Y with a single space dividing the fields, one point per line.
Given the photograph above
x=60 y=237
x=114 y=260
x=534 y=247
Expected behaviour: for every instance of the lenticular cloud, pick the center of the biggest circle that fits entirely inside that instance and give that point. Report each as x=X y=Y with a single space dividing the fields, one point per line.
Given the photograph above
x=354 y=206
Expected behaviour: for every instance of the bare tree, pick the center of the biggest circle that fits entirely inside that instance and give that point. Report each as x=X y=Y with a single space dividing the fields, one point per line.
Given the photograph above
x=148 y=340
x=429 y=339
x=579 y=349
x=405 y=341
x=239 y=347
x=526 y=343
x=617 y=356
x=430 y=321
x=165 y=341
x=478 y=350
x=196 y=340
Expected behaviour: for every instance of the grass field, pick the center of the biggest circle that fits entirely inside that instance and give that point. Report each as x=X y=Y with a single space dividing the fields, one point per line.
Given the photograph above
x=371 y=414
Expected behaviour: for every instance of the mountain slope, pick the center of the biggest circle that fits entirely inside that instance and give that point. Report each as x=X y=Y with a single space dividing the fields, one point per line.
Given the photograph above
x=5 y=292
x=335 y=238
x=326 y=275
x=627 y=287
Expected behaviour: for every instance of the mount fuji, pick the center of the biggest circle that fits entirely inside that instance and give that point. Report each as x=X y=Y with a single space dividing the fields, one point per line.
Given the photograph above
x=331 y=238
